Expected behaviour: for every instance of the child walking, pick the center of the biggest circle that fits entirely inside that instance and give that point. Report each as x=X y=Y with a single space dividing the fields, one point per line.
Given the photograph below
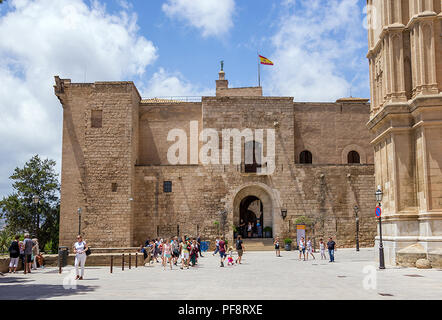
x=322 y=249
x=230 y=257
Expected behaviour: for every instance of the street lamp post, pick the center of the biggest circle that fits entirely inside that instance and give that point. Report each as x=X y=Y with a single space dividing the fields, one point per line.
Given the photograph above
x=35 y=200
x=379 y=195
x=79 y=220
x=356 y=209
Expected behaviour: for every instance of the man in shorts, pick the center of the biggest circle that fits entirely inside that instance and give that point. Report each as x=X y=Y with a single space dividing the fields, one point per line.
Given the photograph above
x=28 y=245
x=222 y=250
x=239 y=249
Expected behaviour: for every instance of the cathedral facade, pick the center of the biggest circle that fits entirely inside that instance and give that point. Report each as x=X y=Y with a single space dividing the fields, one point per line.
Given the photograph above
x=405 y=56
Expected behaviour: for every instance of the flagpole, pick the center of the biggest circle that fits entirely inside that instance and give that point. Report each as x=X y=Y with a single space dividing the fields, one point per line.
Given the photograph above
x=259 y=71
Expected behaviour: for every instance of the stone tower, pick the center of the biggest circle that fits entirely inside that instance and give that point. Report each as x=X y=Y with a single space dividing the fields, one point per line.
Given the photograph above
x=100 y=146
x=405 y=57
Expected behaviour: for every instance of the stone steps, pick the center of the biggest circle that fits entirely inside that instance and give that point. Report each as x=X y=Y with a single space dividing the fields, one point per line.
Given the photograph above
x=258 y=244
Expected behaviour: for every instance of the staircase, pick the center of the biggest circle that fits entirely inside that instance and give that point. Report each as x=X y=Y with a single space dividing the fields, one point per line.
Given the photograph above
x=258 y=244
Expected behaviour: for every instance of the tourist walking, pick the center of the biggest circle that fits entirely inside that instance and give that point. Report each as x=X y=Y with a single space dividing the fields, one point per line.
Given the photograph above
x=216 y=246
x=175 y=250
x=222 y=251
x=194 y=252
x=14 y=255
x=185 y=251
x=199 y=245
x=310 y=249
x=167 y=254
x=28 y=245
x=322 y=249
x=331 y=245
x=301 y=248
x=239 y=249
x=35 y=253
x=230 y=257
x=80 y=248
x=277 y=247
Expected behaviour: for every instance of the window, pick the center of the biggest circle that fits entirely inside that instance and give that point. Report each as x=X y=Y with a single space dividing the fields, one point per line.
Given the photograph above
x=306 y=157
x=167 y=186
x=114 y=187
x=96 y=118
x=252 y=157
x=353 y=157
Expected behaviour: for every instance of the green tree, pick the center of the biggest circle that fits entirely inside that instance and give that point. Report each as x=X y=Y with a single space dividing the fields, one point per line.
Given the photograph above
x=36 y=179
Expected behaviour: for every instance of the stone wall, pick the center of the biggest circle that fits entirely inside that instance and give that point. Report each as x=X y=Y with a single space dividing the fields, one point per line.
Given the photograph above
x=116 y=172
x=200 y=193
x=98 y=162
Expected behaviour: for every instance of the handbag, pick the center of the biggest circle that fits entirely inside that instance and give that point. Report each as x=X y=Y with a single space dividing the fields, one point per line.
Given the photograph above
x=88 y=251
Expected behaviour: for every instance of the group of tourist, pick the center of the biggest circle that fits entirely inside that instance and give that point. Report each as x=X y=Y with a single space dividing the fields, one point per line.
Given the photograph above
x=250 y=229
x=171 y=250
x=26 y=251
x=307 y=248
x=220 y=247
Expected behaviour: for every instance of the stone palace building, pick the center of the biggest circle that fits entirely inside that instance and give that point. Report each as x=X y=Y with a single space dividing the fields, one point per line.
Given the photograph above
x=116 y=166
x=405 y=56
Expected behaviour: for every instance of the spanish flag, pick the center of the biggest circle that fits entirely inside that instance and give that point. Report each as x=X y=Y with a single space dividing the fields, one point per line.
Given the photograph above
x=265 y=61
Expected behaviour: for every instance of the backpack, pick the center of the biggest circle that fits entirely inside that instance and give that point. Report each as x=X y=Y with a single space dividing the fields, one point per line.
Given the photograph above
x=11 y=250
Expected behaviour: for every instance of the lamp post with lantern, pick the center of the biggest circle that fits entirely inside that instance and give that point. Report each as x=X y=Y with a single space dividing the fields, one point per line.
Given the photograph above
x=35 y=201
x=356 y=209
x=79 y=220
x=379 y=195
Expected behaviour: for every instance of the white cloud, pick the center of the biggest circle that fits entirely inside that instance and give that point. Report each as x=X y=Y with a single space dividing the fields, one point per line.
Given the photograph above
x=43 y=38
x=165 y=84
x=212 y=17
x=315 y=47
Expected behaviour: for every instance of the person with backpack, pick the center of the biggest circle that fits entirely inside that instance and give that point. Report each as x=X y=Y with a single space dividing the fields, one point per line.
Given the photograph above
x=239 y=249
x=14 y=255
x=80 y=248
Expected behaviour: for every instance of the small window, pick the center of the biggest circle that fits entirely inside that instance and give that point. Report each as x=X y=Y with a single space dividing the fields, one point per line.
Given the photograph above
x=96 y=118
x=114 y=187
x=306 y=157
x=167 y=186
x=353 y=157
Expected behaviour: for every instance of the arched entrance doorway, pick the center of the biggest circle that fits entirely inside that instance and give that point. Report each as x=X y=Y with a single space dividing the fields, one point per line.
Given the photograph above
x=251 y=203
x=251 y=212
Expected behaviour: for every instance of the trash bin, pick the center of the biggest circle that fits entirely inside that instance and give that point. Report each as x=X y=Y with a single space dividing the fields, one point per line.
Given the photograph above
x=63 y=253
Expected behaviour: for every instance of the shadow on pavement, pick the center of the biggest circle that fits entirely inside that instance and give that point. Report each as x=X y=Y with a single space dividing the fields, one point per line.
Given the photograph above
x=21 y=289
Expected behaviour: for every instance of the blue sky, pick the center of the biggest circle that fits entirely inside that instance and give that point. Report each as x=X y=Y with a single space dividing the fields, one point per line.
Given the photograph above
x=168 y=48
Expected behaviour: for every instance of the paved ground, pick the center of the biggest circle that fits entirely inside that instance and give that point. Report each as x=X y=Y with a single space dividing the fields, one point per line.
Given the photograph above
x=261 y=276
